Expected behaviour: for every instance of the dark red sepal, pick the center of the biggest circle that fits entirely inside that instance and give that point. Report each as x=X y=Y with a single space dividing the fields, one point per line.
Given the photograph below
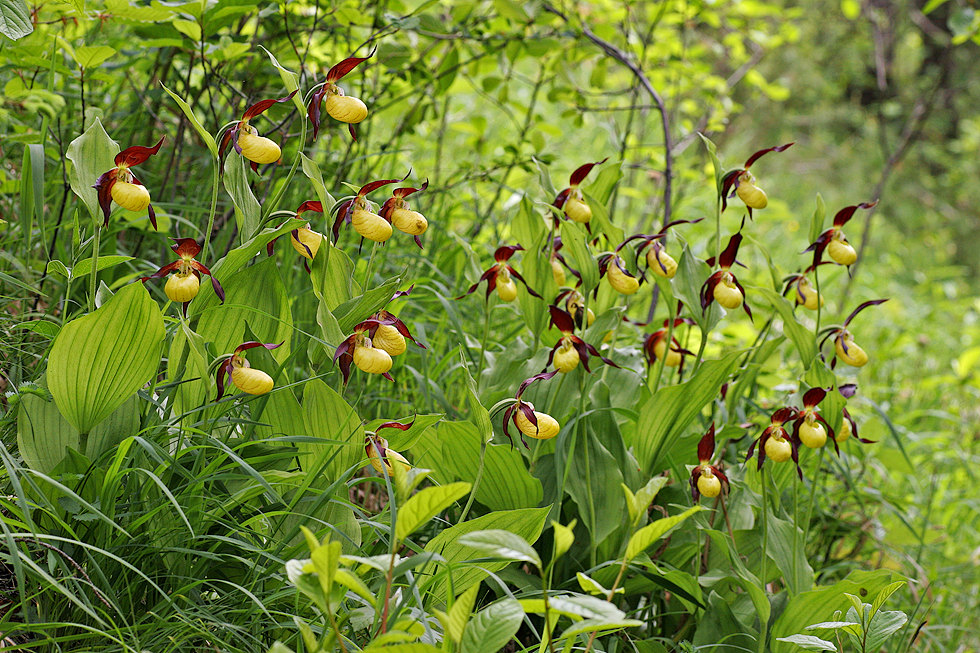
x=137 y=154
x=252 y=344
x=847 y=212
x=517 y=275
x=562 y=320
x=261 y=106
x=708 y=289
x=504 y=252
x=580 y=173
x=755 y=157
x=186 y=247
x=706 y=447
x=223 y=371
x=873 y=302
x=104 y=186
x=218 y=290
x=309 y=205
x=813 y=397
x=727 y=258
x=395 y=425
x=408 y=190
x=338 y=72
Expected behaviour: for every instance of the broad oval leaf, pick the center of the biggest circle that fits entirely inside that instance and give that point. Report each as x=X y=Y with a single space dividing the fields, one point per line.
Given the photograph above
x=91 y=154
x=502 y=544
x=425 y=505
x=99 y=360
x=650 y=533
x=493 y=627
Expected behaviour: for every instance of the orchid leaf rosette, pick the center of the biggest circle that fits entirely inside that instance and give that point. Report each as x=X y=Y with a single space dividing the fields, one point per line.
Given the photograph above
x=741 y=182
x=246 y=140
x=185 y=274
x=121 y=186
x=340 y=106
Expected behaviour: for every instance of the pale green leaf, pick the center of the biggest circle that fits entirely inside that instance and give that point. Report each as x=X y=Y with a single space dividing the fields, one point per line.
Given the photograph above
x=502 y=544
x=493 y=627
x=425 y=505
x=99 y=360
x=652 y=532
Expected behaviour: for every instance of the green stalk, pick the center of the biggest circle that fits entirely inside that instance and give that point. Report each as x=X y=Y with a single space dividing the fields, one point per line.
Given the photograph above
x=215 y=178
x=763 y=627
x=483 y=340
x=271 y=206
x=93 y=285
x=476 y=482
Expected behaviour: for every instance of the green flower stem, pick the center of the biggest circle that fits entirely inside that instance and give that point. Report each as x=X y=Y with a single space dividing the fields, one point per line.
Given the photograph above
x=483 y=340
x=370 y=265
x=271 y=206
x=94 y=283
x=661 y=363
x=215 y=180
x=763 y=627
x=476 y=482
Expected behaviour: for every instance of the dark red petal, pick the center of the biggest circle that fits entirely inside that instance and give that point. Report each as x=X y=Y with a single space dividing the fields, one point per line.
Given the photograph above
x=727 y=258
x=783 y=415
x=104 y=186
x=813 y=397
x=375 y=185
x=561 y=198
x=544 y=376
x=847 y=212
x=313 y=110
x=708 y=289
x=164 y=271
x=309 y=205
x=252 y=344
x=561 y=319
x=505 y=252
x=873 y=302
x=582 y=172
x=223 y=370
x=592 y=350
x=350 y=63
x=186 y=247
x=343 y=213
x=727 y=182
x=673 y=223
x=517 y=275
x=848 y=390
x=260 y=106
x=706 y=447
x=396 y=425
x=405 y=192
x=137 y=154
x=755 y=157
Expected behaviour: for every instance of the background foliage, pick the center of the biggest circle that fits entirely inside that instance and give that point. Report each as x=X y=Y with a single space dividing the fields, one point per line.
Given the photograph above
x=495 y=103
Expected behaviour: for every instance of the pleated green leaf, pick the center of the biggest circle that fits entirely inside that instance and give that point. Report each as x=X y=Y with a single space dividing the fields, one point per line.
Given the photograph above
x=99 y=360
x=425 y=505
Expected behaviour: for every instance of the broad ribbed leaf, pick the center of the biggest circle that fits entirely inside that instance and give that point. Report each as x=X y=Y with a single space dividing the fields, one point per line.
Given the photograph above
x=575 y=248
x=425 y=505
x=99 y=360
x=502 y=544
x=803 y=609
x=492 y=628
x=15 y=19
x=802 y=337
x=195 y=122
x=91 y=154
x=248 y=213
x=459 y=613
x=650 y=533
x=809 y=642
x=666 y=414
x=43 y=434
x=527 y=523
x=326 y=415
